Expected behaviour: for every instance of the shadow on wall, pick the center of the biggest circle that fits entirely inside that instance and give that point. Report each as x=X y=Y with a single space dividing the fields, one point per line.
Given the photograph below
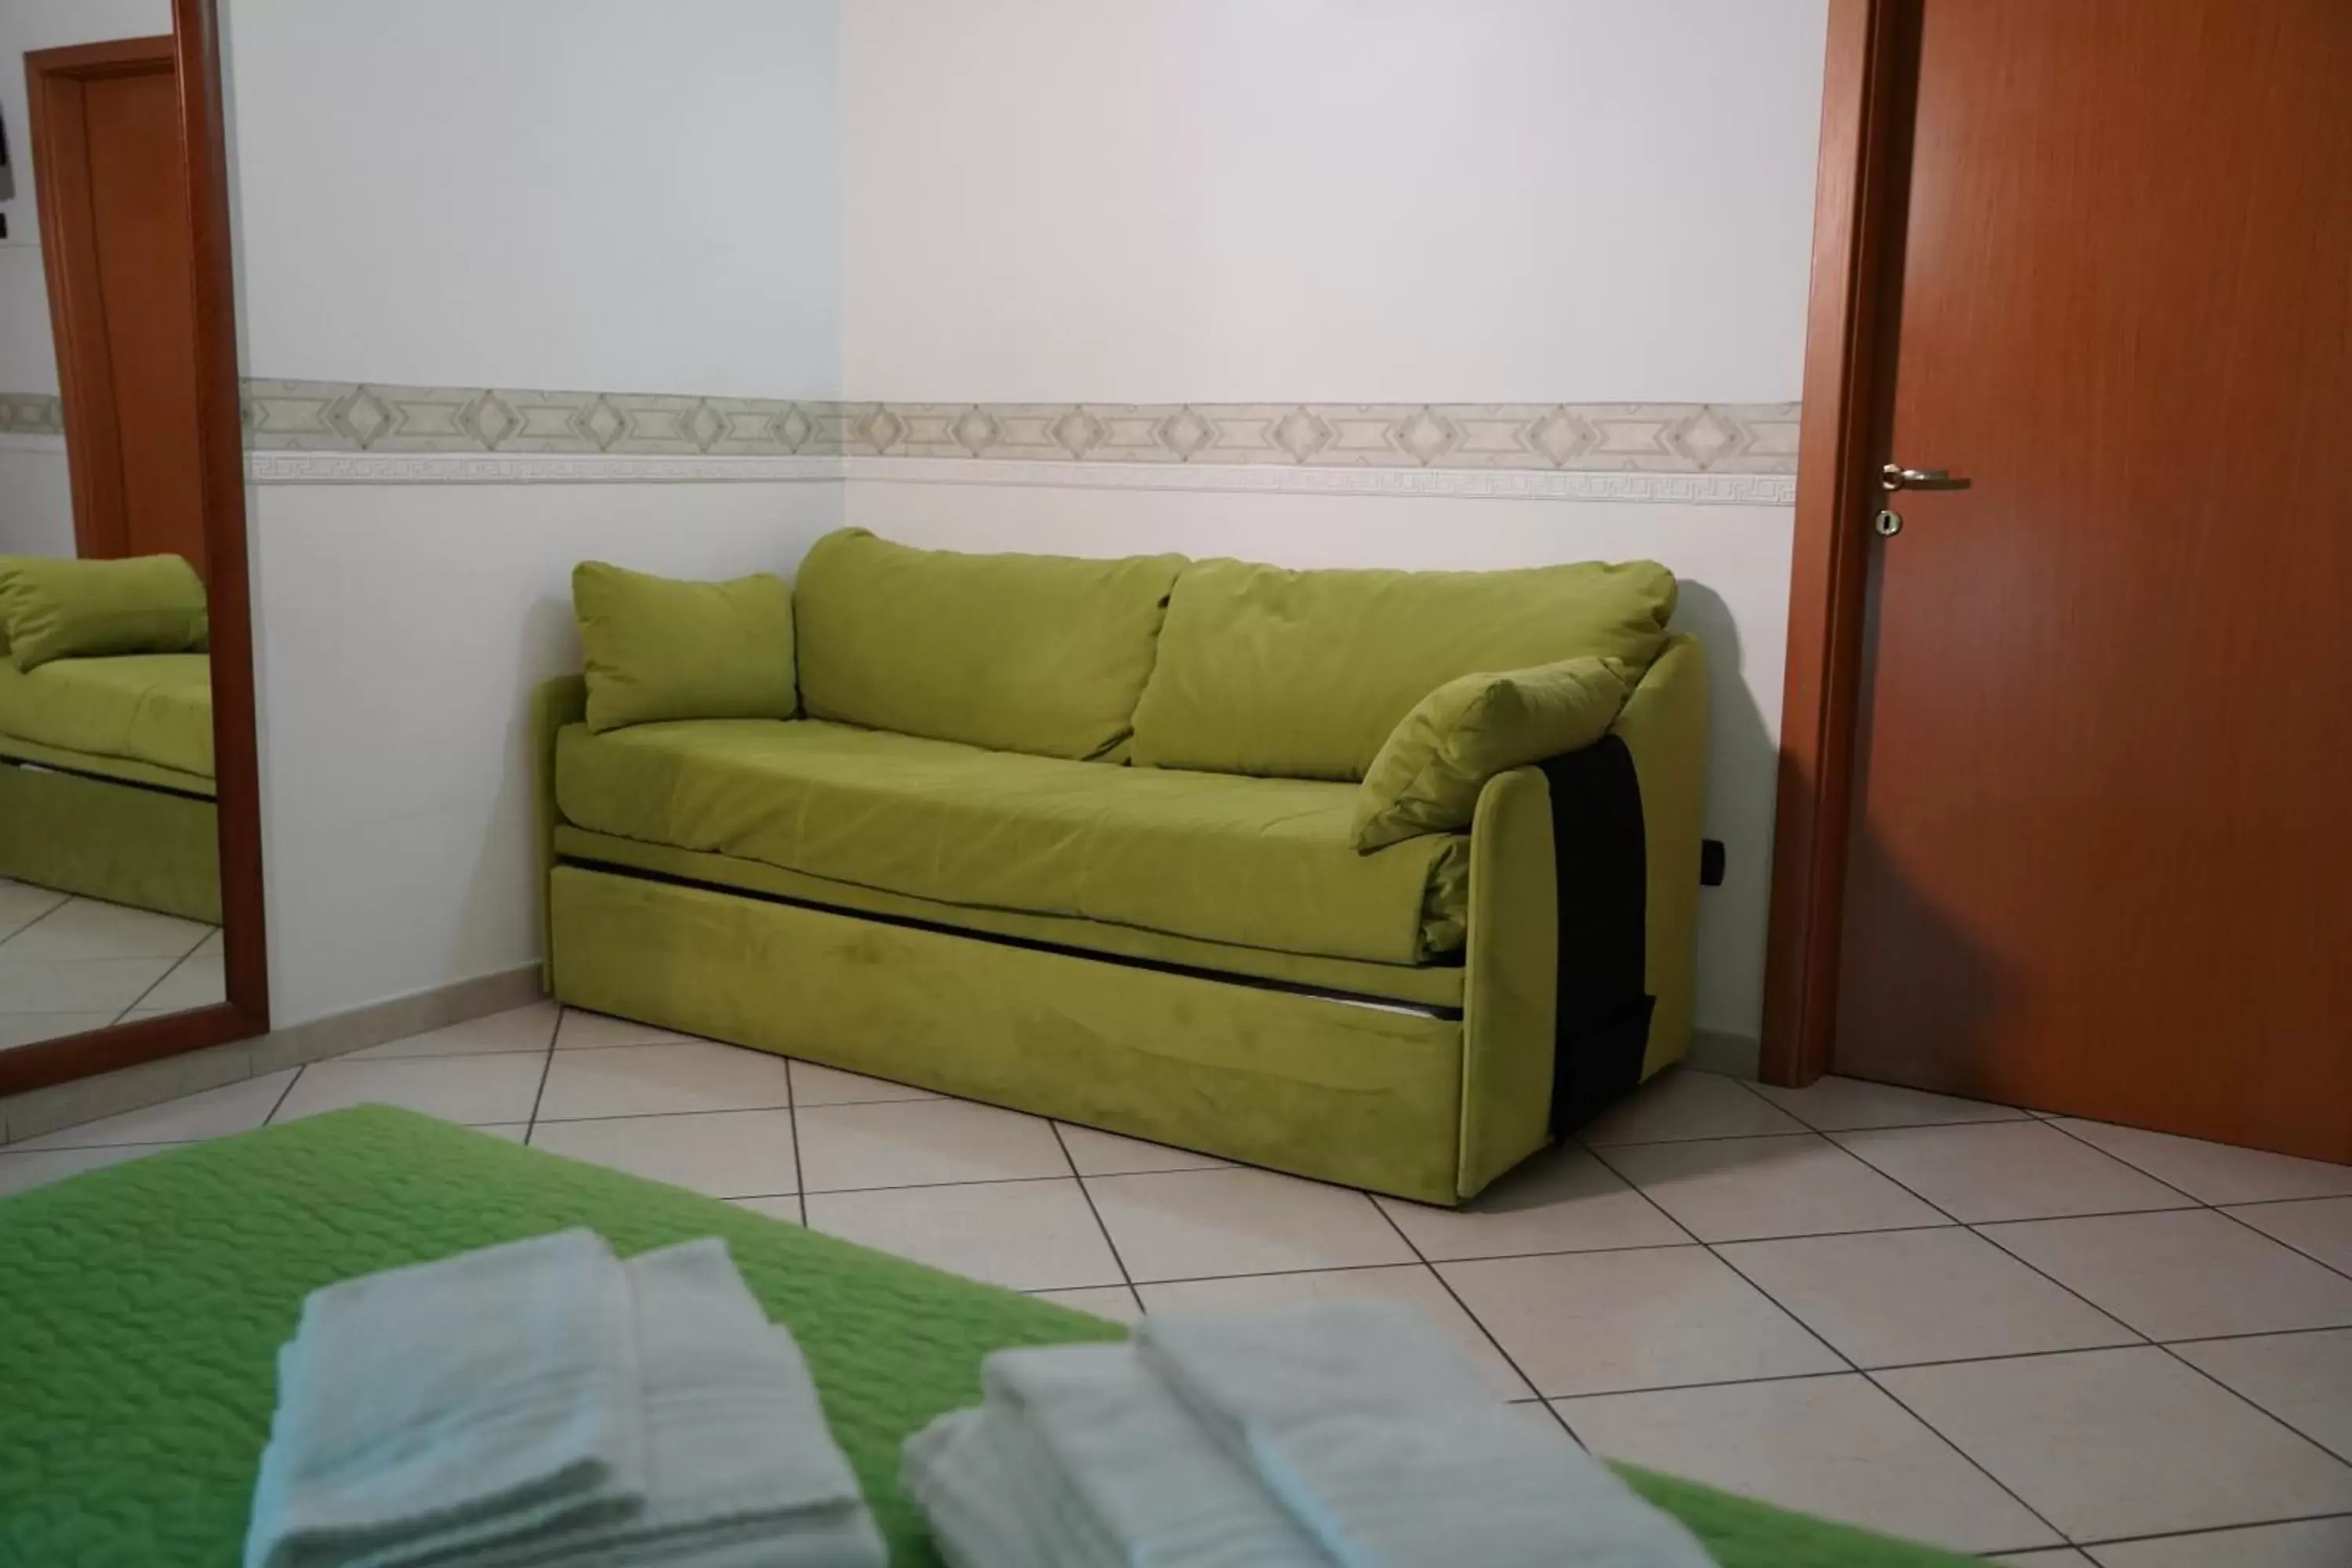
x=1743 y=759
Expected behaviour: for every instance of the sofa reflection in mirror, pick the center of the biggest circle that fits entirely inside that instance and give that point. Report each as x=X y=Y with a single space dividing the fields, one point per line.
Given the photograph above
x=108 y=868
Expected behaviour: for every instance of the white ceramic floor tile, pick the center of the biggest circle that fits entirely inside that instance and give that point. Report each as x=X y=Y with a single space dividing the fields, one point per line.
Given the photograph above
x=1886 y=1298
x=1412 y=1286
x=86 y=928
x=582 y=1030
x=1564 y=1200
x=516 y=1029
x=1686 y=1103
x=196 y=981
x=783 y=1208
x=2216 y=1173
x=2048 y=1557
x=2304 y=1379
x=1744 y=1189
x=2115 y=1443
x=1594 y=1322
x=901 y=1143
x=1846 y=1104
x=724 y=1153
x=1830 y=1445
x=238 y=1107
x=456 y=1089
x=216 y=942
x=25 y=1028
x=2308 y=1543
x=21 y=1172
x=1099 y=1154
x=1188 y=1224
x=2185 y=1275
x=2008 y=1170
x=814 y=1084
x=21 y=904
x=1115 y=1303
x=76 y=985
x=2320 y=1227
x=1030 y=1235
x=662 y=1079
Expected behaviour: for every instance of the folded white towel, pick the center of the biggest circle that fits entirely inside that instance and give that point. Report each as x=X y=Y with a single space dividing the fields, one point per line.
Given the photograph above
x=740 y=1469
x=1080 y=1458
x=1379 y=1436
x=428 y=1409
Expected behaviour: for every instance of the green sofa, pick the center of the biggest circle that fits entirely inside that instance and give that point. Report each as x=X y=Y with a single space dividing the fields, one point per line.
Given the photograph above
x=106 y=779
x=1077 y=837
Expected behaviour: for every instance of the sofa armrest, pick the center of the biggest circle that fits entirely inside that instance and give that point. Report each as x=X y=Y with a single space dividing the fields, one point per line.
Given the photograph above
x=1510 y=991
x=557 y=702
x=1664 y=726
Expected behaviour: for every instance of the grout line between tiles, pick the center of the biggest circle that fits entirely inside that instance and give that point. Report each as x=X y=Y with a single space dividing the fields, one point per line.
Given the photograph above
x=2281 y=1241
x=1972 y=1460
x=2143 y=1170
x=275 y=1104
x=792 y=1125
x=2251 y=1402
x=2212 y=1530
x=547 y=1071
x=271 y=1119
x=1455 y=1297
x=2273 y=1202
x=1118 y=1259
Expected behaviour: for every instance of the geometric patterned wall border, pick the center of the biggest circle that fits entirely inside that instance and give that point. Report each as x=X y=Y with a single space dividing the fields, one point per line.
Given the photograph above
x=1642 y=437
x=311 y=432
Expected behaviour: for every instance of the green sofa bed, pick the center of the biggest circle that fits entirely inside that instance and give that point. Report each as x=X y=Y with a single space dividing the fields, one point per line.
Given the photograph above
x=106 y=745
x=1082 y=837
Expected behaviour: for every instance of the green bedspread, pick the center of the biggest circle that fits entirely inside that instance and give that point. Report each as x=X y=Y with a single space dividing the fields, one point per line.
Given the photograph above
x=141 y=1306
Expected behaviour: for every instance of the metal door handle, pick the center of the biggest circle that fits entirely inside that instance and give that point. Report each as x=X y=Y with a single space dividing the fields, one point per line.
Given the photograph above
x=1895 y=477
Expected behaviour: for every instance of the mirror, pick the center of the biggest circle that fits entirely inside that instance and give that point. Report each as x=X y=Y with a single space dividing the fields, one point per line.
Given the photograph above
x=122 y=570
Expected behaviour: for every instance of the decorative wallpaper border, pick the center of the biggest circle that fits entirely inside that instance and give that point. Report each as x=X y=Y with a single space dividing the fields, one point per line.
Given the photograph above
x=1640 y=437
x=314 y=432
x=32 y=414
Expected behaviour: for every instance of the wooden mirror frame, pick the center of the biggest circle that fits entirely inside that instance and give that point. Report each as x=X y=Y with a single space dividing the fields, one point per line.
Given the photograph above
x=220 y=433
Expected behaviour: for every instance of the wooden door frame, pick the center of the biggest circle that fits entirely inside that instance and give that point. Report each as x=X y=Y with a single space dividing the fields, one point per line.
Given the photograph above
x=58 y=131
x=1858 y=191
x=220 y=432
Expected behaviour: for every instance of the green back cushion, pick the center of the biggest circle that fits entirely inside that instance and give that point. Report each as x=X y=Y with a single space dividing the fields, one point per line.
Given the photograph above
x=656 y=648
x=55 y=608
x=1428 y=773
x=1040 y=654
x=1305 y=674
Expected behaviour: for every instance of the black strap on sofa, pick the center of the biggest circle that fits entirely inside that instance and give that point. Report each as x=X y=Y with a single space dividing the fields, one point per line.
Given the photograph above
x=1601 y=870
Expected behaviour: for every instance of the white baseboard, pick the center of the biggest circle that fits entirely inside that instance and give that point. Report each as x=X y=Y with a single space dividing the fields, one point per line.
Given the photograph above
x=150 y=1083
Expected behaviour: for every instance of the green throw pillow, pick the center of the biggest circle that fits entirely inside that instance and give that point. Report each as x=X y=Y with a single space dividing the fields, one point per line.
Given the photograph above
x=1427 y=777
x=60 y=607
x=660 y=648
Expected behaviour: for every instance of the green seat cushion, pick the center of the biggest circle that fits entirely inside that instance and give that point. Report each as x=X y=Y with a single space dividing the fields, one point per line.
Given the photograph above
x=56 y=607
x=1043 y=653
x=1305 y=674
x=1429 y=772
x=152 y=708
x=144 y=1303
x=658 y=649
x=1259 y=862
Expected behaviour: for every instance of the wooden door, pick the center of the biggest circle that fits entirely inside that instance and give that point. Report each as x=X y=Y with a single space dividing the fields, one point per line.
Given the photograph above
x=113 y=193
x=2100 y=858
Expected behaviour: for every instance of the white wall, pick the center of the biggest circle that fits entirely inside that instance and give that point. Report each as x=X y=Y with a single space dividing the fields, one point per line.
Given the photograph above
x=563 y=193
x=1355 y=200
x=576 y=195
x=1332 y=200
x=35 y=500
x=401 y=630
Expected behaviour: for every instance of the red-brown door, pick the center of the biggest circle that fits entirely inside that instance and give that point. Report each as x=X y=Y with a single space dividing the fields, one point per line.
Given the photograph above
x=114 y=228
x=2101 y=858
